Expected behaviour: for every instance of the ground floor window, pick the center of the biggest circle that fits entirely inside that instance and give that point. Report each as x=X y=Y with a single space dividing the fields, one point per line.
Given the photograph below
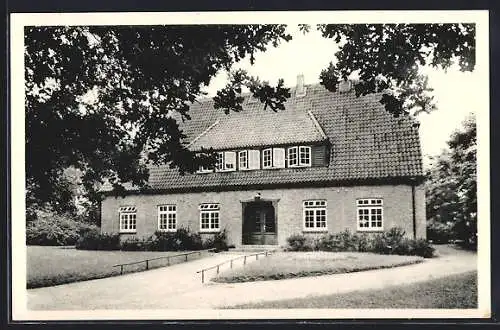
x=209 y=217
x=167 y=218
x=315 y=215
x=128 y=219
x=370 y=214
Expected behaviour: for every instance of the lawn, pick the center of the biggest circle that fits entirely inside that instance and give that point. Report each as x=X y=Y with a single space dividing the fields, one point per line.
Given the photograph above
x=283 y=265
x=457 y=291
x=53 y=265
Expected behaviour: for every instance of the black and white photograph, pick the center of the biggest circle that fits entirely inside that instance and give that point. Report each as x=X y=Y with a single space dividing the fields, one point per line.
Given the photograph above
x=246 y=165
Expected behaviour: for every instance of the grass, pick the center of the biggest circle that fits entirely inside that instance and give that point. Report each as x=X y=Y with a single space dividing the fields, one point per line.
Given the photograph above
x=283 y=265
x=53 y=265
x=456 y=291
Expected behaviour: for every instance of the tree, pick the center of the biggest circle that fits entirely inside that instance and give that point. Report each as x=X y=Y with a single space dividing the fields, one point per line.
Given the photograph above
x=104 y=100
x=451 y=187
x=387 y=59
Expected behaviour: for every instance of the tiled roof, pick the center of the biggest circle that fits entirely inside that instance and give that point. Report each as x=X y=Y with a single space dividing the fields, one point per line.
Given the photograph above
x=259 y=128
x=366 y=141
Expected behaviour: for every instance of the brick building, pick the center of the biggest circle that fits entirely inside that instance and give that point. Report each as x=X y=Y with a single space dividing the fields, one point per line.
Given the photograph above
x=329 y=162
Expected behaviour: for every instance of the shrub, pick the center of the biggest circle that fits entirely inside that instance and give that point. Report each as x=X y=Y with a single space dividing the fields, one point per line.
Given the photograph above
x=391 y=242
x=439 y=233
x=93 y=240
x=54 y=229
x=137 y=244
x=180 y=240
x=218 y=242
x=423 y=248
x=299 y=243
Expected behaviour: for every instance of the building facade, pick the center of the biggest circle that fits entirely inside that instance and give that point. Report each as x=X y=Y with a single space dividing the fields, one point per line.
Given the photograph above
x=328 y=162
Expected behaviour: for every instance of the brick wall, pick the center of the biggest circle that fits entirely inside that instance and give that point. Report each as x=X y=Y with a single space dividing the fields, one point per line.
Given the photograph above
x=341 y=209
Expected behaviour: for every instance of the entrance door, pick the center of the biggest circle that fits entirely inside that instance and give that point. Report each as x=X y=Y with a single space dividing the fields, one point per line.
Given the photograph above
x=259 y=225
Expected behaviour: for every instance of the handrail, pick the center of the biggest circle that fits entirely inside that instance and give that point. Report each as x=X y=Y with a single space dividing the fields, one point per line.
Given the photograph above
x=202 y=271
x=157 y=258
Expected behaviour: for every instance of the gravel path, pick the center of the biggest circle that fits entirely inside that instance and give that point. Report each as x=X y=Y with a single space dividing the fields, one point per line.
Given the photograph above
x=179 y=287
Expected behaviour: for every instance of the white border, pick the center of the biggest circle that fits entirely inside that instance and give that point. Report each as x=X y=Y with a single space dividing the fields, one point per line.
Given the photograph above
x=19 y=20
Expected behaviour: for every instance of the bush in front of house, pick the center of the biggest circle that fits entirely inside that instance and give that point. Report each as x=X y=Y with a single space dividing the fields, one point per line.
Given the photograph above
x=137 y=244
x=180 y=240
x=93 y=240
x=393 y=241
x=54 y=229
x=299 y=242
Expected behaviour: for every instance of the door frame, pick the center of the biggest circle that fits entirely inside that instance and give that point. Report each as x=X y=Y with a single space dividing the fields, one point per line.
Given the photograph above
x=245 y=203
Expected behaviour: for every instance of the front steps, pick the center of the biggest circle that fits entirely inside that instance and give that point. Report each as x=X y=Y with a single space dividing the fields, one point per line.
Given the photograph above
x=255 y=248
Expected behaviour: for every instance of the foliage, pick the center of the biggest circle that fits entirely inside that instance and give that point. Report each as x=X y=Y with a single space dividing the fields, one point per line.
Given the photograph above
x=438 y=232
x=392 y=241
x=55 y=229
x=299 y=242
x=108 y=100
x=217 y=242
x=137 y=244
x=180 y=240
x=451 y=186
x=94 y=240
x=387 y=58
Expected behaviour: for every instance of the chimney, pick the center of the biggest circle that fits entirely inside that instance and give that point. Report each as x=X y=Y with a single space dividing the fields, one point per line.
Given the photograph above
x=345 y=86
x=301 y=89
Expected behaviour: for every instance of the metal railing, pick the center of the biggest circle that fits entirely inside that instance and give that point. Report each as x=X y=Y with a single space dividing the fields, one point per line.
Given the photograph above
x=146 y=261
x=245 y=257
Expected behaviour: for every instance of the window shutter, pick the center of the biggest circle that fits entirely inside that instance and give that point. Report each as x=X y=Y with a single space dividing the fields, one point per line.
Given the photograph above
x=230 y=161
x=253 y=159
x=279 y=157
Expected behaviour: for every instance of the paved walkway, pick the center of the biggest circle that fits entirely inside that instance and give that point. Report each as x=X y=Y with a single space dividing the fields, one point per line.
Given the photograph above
x=179 y=286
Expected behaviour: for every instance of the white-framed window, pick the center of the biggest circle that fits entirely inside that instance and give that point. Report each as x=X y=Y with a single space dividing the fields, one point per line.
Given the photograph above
x=267 y=158
x=315 y=215
x=293 y=156
x=305 y=156
x=128 y=219
x=370 y=214
x=167 y=217
x=243 y=160
x=219 y=162
x=204 y=169
x=209 y=217
x=225 y=161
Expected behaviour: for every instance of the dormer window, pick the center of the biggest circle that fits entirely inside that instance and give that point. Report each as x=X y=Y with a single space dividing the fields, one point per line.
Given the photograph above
x=299 y=156
x=243 y=160
x=267 y=158
x=305 y=156
x=225 y=161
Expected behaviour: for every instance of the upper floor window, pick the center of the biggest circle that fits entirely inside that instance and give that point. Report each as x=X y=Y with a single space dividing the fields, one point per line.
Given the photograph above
x=370 y=214
x=167 y=217
x=305 y=156
x=128 y=219
x=225 y=161
x=267 y=158
x=243 y=160
x=299 y=156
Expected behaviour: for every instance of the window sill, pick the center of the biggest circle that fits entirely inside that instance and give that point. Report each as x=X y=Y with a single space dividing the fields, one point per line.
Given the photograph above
x=375 y=230
x=209 y=231
x=315 y=230
x=167 y=230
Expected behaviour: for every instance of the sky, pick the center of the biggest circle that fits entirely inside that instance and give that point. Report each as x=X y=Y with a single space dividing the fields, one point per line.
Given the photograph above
x=309 y=54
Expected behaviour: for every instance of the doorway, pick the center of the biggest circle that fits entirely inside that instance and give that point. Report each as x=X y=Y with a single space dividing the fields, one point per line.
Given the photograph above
x=259 y=223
